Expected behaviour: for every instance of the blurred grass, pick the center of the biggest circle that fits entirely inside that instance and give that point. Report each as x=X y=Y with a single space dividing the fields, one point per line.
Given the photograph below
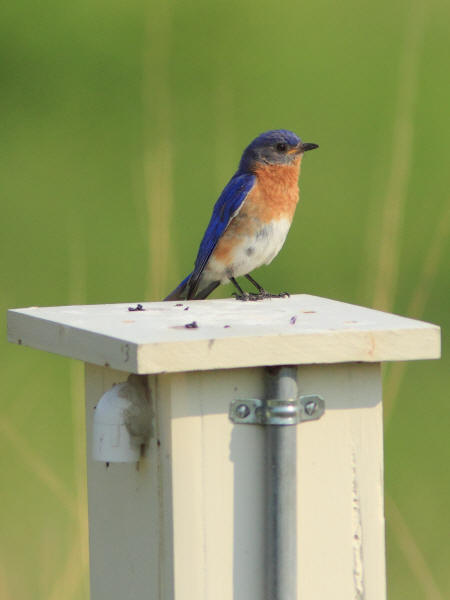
x=120 y=125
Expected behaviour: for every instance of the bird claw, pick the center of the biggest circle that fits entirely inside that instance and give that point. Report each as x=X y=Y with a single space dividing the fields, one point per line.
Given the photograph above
x=243 y=297
x=262 y=295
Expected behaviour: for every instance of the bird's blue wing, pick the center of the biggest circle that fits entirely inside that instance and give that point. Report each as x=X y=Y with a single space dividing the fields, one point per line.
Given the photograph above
x=227 y=205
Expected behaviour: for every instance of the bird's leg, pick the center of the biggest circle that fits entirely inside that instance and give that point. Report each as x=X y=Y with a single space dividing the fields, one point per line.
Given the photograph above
x=262 y=293
x=242 y=295
x=260 y=289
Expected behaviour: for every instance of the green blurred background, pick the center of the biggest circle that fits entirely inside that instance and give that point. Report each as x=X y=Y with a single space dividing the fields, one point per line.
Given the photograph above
x=121 y=123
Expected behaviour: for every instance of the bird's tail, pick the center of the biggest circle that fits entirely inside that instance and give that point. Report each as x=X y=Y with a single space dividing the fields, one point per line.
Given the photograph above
x=181 y=291
x=184 y=292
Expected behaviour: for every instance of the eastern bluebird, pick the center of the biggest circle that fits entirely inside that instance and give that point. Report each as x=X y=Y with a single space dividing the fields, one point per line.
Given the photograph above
x=251 y=218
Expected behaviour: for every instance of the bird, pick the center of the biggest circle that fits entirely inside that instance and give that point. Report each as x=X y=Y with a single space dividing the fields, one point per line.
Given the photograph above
x=251 y=218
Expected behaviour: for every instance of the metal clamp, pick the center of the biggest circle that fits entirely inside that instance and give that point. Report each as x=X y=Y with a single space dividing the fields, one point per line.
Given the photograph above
x=277 y=412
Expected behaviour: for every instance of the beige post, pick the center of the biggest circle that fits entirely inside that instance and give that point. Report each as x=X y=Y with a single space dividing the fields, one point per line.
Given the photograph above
x=187 y=521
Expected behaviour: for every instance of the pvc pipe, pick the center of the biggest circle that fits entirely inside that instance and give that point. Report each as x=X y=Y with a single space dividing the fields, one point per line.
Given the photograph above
x=122 y=422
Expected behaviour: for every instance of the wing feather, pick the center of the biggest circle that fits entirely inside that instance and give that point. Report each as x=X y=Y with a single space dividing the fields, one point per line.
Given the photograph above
x=226 y=208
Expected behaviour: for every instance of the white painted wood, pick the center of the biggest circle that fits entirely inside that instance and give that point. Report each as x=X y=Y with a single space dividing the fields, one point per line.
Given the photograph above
x=340 y=486
x=130 y=516
x=189 y=524
x=297 y=330
x=218 y=486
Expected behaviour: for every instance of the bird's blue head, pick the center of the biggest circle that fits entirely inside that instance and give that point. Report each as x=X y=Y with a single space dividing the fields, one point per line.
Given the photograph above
x=276 y=147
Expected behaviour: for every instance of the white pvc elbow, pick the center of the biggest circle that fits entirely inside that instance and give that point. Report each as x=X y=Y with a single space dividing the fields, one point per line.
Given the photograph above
x=122 y=422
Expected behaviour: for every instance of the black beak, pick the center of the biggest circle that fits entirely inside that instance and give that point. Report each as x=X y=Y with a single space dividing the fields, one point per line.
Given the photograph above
x=305 y=146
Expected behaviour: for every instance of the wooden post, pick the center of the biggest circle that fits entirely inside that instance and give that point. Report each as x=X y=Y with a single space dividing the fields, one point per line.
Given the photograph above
x=188 y=520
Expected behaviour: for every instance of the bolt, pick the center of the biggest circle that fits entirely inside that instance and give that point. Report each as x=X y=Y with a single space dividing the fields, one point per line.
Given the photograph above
x=242 y=411
x=311 y=407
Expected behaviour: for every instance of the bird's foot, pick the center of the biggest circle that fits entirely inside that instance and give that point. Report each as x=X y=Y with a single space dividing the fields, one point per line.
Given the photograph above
x=262 y=295
x=243 y=297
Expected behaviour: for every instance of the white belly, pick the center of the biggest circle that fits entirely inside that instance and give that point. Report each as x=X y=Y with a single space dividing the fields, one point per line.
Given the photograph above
x=250 y=253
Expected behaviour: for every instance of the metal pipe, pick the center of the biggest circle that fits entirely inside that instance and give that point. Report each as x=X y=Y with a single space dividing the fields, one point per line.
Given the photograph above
x=281 y=490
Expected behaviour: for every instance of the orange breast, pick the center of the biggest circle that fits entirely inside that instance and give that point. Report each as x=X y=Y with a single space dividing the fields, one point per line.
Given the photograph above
x=274 y=196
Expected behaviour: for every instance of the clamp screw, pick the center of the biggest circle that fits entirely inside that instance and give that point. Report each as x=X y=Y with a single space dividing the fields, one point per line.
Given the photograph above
x=311 y=407
x=242 y=411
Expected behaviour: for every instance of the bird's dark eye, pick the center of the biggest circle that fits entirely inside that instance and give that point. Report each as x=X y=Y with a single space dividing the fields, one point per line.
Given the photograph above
x=281 y=147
